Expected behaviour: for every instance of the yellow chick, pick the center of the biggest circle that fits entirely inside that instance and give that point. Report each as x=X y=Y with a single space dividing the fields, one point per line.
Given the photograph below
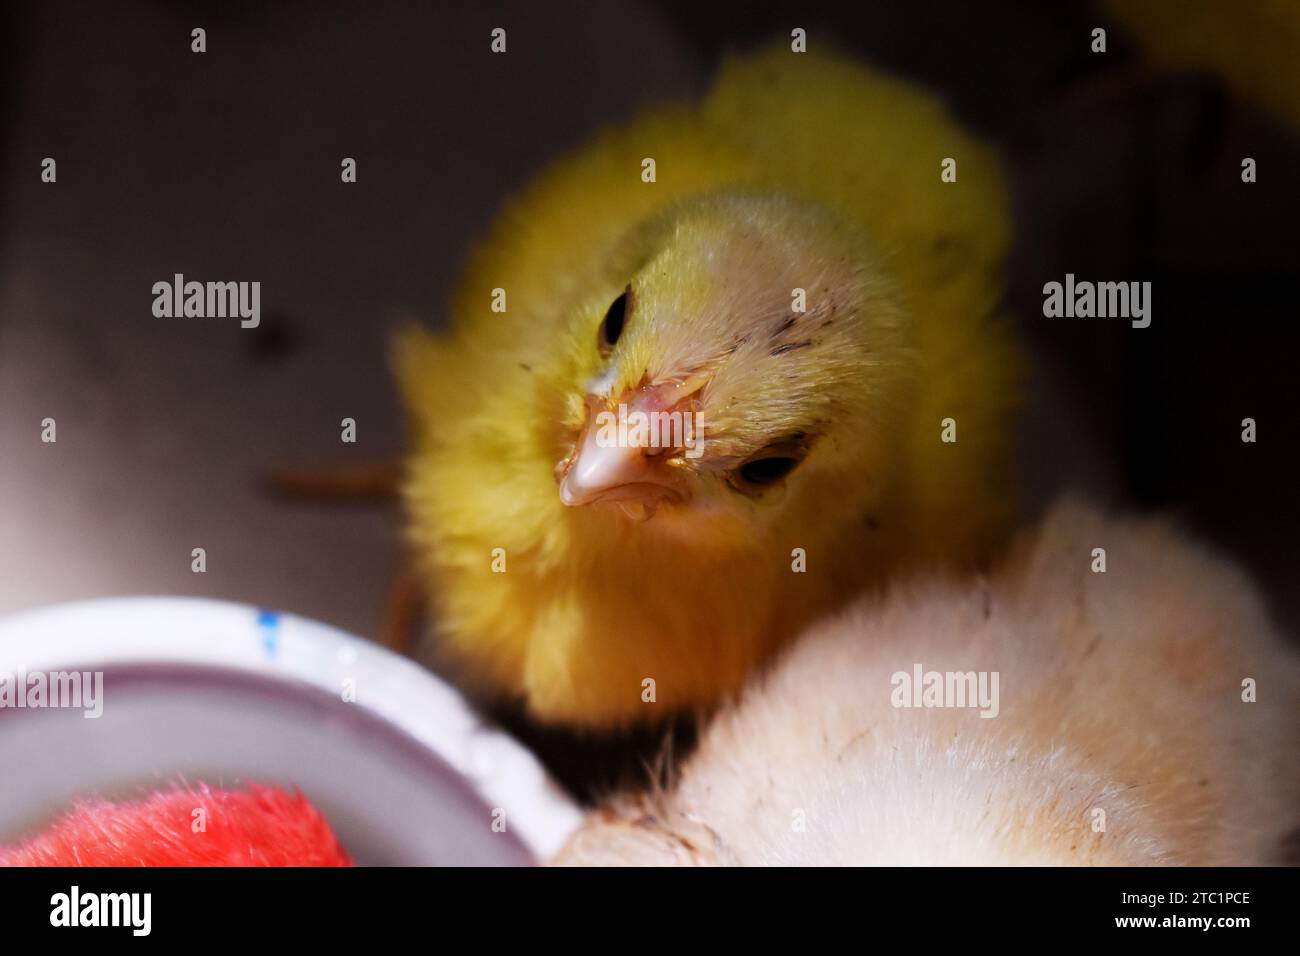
x=1252 y=45
x=1142 y=716
x=782 y=278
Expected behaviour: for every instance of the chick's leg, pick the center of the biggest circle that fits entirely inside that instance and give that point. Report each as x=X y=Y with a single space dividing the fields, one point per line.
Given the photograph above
x=403 y=611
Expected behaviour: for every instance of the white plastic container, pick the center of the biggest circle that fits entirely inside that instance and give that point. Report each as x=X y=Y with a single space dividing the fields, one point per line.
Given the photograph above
x=201 y=690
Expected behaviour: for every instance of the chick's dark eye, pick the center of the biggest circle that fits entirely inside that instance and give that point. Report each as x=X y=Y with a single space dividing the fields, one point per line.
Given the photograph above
x=765 y=471
x=612 y=327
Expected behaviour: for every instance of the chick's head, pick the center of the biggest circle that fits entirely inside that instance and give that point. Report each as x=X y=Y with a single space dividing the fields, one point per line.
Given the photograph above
x=740 y=367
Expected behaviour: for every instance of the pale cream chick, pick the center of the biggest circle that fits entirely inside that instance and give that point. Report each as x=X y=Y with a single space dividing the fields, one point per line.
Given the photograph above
x=1121 y=735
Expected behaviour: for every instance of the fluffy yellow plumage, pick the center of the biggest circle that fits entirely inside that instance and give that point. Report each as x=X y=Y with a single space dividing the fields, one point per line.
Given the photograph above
x=796 y=172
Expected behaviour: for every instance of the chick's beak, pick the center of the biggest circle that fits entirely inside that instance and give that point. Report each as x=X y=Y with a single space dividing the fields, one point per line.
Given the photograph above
x=636 y=477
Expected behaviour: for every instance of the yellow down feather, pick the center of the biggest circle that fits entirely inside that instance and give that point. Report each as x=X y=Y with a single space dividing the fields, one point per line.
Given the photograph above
x=795 y=171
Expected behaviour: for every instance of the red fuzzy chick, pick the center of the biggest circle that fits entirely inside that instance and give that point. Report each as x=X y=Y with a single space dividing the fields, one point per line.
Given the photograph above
x=260 y=826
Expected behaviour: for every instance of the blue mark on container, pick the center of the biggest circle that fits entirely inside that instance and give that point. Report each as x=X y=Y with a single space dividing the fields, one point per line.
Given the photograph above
x=268 y=622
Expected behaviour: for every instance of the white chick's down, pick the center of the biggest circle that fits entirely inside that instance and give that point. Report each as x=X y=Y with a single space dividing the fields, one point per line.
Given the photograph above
x=1121 y=735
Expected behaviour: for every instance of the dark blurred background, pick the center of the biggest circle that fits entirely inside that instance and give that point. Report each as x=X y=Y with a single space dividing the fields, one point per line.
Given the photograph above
x=226 y=166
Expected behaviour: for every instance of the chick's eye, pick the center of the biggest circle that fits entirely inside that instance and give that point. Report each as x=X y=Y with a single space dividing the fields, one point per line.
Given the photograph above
x=612 y=327
x=765 y=471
